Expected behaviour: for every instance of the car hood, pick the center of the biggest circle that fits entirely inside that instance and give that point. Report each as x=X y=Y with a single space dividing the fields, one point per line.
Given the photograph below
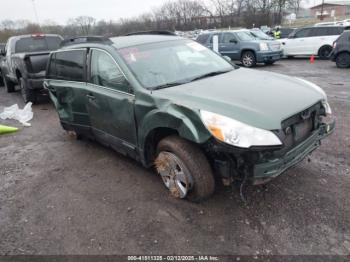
x=258 y=98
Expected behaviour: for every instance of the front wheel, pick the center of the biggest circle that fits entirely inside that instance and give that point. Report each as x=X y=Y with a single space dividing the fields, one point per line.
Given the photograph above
x=248 y=59
x=325 y=52
x=343 y=60
x=184 y=169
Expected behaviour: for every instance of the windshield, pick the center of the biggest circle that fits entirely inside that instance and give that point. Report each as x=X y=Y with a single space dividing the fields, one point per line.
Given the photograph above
x=259 y=34
x=37 y=44
x=172 y=63
x=245 y=36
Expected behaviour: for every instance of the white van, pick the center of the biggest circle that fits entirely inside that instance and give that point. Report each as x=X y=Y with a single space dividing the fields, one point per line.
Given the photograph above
x=316 y=41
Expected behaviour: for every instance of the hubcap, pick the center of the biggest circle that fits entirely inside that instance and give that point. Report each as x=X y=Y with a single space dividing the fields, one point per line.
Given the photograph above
x=175 y=175
x=325 y=52
x=247 y=60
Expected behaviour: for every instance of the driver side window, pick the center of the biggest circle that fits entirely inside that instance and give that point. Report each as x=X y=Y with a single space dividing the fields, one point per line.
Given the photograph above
x=105 y=72
x=229 y=38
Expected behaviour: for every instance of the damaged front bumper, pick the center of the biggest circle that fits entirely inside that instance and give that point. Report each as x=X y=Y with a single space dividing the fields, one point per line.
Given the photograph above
x=263 y=165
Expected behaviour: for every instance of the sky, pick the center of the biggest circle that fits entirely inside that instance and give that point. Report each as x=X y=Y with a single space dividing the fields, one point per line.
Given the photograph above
x=60 y=11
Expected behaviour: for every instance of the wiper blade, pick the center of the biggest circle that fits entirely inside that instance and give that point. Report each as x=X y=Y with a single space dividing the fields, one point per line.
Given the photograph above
x=210 y=74
x=168 y=85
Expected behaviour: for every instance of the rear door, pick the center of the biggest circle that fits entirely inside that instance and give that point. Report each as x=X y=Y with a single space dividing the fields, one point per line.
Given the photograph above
x=229 y=46
x=66 y=82
x=110 y=103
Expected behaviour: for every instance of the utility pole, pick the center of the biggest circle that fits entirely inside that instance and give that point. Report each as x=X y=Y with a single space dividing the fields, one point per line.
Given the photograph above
x=35 y=13
x=321 y=17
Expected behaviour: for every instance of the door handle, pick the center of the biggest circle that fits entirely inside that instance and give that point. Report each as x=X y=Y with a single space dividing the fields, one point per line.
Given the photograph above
x=90 y=96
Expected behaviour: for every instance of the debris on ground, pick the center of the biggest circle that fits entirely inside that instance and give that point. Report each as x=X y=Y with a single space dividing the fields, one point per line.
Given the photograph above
x=22 y=115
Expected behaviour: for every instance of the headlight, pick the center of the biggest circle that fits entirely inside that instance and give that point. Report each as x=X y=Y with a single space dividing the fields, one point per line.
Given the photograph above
x=237 y=133
x=327 y=107
x=264 y=47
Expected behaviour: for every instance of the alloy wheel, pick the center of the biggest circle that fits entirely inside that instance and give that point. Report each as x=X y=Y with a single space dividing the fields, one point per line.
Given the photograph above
x=176 y=177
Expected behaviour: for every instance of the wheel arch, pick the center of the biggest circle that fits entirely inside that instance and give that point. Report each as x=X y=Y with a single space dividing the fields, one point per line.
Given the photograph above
x=342 y=52
x=158 y=125
x=247 y=49
x=322 y=46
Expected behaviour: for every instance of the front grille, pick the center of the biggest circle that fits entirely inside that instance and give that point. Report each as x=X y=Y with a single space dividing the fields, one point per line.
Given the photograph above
x=275 y=47
x=299 y=127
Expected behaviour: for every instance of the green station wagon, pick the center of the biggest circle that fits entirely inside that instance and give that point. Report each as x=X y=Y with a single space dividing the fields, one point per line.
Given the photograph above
x=171 y=103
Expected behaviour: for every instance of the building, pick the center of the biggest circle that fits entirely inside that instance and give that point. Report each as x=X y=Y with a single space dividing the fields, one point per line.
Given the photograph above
x=331 y=9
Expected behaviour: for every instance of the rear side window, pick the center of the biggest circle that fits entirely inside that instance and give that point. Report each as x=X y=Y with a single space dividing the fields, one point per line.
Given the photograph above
x=67 y=65
x=37 y=44
x=203 y=38
x=229 y=38
x=334 y=30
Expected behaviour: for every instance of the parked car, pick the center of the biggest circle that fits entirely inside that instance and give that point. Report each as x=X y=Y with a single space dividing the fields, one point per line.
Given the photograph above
x=25 y=63
x=257 y=33
x=341 y=50
x=241 y=45
x=334 y=23
x=2 y=52
x=316 y=41
x=345 y=23
x=172 y=103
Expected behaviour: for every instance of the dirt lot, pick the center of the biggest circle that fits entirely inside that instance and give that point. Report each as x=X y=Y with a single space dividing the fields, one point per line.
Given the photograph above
x=62 y=196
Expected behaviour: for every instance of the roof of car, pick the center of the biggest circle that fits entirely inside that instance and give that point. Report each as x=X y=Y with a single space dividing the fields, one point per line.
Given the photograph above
x=133 y=40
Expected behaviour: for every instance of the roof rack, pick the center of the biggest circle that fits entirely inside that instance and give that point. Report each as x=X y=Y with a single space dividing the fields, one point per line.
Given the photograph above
x=152 y=32
x=85 y=39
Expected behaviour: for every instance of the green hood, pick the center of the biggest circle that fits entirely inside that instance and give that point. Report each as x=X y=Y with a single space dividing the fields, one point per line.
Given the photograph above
x=261 y=99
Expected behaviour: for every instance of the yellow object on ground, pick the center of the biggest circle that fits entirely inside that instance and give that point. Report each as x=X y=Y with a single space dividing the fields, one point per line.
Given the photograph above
x=7 y=129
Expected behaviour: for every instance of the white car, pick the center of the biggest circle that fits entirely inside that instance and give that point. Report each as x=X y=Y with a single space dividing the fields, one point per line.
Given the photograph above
x=307 y=41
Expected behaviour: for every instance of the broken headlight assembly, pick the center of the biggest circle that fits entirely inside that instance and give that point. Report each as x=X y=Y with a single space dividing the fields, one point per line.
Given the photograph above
x=327 y=108
x=236 y=133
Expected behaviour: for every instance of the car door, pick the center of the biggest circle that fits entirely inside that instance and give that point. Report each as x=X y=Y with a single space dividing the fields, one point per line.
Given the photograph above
x=110 y=103
x=66 y=82
x=295 y=45
x=229 y=46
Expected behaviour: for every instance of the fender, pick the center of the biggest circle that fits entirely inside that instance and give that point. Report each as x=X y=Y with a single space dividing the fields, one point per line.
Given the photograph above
x=186 y=122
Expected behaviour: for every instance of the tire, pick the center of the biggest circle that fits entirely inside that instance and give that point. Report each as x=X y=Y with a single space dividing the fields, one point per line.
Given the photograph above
x=248 y=59
x=324 y=52
x=191 y=164
x=28 y=95
x=343 y=60
x=269 y=62
x=10 y=87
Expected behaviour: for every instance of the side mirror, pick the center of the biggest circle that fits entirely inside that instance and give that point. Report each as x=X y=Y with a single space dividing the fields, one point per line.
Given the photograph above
x=227 y=58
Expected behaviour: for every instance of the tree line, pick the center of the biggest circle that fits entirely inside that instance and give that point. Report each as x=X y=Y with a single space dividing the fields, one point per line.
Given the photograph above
x=173 y=15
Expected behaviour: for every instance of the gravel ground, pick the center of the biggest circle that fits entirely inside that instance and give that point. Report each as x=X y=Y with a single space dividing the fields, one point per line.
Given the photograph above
x=62 y=196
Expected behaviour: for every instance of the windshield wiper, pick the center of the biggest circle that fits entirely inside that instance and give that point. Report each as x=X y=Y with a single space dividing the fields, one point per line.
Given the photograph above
x=168 y=85
x=210 y=74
